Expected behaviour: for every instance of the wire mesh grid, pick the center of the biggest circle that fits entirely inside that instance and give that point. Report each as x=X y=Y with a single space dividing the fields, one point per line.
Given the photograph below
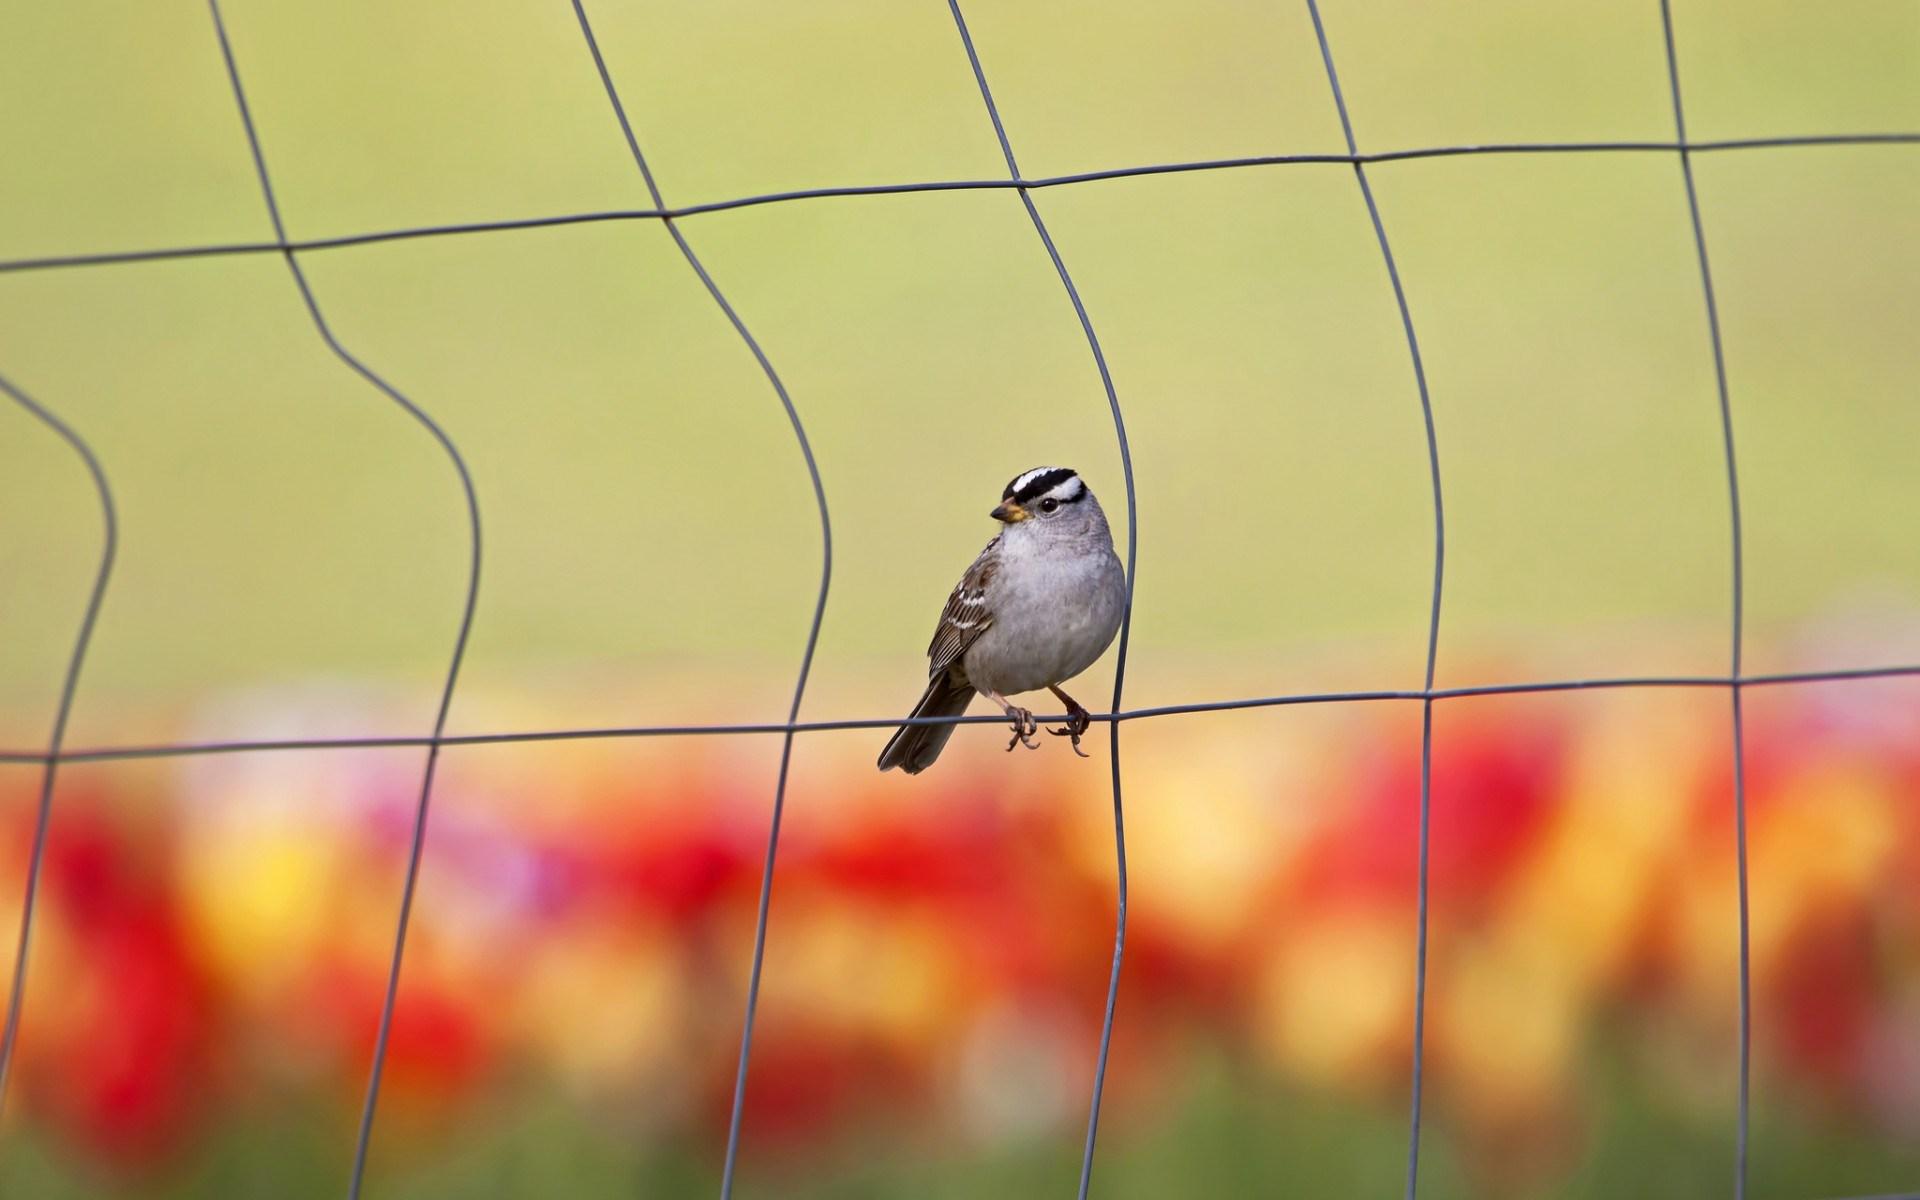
x=1734 y=681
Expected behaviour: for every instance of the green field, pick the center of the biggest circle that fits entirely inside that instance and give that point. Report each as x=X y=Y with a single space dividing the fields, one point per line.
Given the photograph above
x=646 y=512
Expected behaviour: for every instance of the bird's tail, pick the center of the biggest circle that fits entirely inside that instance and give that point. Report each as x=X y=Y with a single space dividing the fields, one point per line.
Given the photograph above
x=914 y=747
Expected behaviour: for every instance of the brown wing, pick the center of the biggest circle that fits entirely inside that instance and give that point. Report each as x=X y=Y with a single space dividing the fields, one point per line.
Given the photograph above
x=966 y=616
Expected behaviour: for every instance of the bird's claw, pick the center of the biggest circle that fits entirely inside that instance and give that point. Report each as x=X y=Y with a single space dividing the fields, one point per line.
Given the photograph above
x=1078 y=720
x=1024 y=727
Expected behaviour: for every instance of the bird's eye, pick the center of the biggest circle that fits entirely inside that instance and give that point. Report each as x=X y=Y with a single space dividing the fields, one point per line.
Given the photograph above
x=1049 y=504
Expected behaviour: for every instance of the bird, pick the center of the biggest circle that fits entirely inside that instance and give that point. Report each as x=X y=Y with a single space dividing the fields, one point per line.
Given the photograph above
x=1039 y=605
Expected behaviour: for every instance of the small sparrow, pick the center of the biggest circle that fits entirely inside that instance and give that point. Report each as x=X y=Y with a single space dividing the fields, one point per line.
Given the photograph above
x=1039 y=606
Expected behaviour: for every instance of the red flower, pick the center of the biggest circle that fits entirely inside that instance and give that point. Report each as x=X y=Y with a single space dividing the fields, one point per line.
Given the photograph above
x=120 y=1061
x=1493 y=773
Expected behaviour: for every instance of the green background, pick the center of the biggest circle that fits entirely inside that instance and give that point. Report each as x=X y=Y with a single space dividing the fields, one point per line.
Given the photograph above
x=645 y=508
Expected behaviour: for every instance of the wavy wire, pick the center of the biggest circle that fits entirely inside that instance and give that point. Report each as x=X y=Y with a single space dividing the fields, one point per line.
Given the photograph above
x=109 y=546
x=1126 y=619
x=1433 y=617
x=1739 y=600
x=819 y=604
x=416 y=842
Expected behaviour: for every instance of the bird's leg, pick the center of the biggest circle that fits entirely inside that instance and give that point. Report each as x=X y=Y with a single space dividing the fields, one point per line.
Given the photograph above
x=1024 y=726
x=1077 y=720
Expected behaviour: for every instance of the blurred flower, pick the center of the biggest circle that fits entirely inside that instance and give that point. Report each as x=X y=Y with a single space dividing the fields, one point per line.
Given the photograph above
x=115 y=1036
x=587 y=916
x=1335 y=1001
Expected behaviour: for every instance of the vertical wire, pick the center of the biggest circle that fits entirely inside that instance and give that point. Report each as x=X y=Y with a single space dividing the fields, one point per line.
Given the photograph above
x=417 y=838
x=1433 y=616
x=1739 y=598
x=1126 y=619
x=110 y=542
x=819 y=604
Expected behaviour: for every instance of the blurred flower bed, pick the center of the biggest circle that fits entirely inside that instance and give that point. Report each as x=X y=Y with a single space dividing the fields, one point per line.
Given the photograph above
x=216 y=929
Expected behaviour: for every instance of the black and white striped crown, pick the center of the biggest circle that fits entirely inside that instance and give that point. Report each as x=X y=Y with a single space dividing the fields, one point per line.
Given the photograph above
x=1061 y=483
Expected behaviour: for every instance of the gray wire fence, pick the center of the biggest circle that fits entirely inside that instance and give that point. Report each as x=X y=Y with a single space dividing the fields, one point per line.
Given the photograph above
x=1734 y=682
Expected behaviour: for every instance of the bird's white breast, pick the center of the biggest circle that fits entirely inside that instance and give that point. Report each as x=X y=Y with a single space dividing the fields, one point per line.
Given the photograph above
x=1055 y=611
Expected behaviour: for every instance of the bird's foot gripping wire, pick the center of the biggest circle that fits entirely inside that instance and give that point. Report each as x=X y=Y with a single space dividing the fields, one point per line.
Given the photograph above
x=1078 y=719
x=1024 y=727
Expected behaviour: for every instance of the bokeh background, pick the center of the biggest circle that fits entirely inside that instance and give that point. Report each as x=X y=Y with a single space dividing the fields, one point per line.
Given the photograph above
x=206 y=975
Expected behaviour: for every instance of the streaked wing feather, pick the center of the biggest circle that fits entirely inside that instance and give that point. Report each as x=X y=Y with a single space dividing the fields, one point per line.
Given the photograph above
x=966 y=616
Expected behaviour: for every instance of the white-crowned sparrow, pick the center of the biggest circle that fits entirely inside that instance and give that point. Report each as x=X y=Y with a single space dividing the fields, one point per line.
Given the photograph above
x=1039 y=605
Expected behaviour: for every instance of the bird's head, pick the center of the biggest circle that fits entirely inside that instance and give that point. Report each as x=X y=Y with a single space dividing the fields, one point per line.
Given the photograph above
x=1048 y=503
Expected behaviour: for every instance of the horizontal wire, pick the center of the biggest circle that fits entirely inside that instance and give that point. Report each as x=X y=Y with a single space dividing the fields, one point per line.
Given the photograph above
x=112 y=258
x=1531 y=687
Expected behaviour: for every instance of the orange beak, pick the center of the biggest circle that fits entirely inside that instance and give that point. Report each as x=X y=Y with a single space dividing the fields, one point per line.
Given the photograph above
x=1010 y=513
